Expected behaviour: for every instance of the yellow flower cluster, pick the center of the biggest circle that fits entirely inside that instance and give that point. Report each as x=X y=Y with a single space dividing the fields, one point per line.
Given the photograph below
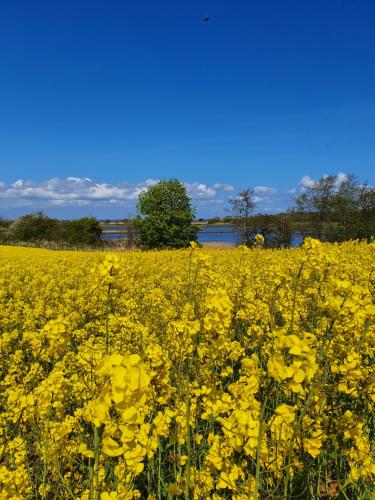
x=238 y=373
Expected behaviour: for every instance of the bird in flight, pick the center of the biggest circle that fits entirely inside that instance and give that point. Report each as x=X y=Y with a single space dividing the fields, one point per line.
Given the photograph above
x=206 y=19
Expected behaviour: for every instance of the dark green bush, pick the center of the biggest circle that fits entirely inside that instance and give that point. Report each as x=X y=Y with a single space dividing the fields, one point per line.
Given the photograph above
x=37 y=227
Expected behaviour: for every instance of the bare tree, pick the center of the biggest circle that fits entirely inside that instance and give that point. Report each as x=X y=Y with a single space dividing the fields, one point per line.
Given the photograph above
x=242 y=206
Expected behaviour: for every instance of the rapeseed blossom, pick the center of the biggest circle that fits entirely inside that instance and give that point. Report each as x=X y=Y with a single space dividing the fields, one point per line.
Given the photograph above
x=238 y=373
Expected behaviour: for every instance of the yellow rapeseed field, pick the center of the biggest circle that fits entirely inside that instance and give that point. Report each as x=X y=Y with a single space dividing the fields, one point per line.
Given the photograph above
x=195 y=373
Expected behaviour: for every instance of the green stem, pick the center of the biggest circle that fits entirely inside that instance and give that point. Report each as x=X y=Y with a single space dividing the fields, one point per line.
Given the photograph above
x=159 y=473
x=106 y=337
x=188 y=445
x=95 y=482
x=291 y=328
x=259 y=446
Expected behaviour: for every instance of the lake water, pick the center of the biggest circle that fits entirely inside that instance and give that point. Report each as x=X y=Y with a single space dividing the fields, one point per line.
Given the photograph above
x=225 y=234
x=207 y=234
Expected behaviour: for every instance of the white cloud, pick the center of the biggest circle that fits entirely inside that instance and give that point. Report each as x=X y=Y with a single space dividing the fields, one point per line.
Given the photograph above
x=77 y=180
x=340 y=178
x=306 y=181
x=229 y=188
x=199 y=190
x=18 y=184
x=76 y=191
x=68 y=194
x=264 y=190
x=261 y=199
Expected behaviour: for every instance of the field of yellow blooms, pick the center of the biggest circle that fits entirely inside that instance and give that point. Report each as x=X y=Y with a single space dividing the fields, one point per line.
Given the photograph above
x=240 y=373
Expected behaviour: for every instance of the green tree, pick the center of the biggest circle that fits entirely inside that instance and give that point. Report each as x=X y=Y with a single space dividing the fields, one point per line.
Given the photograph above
x=37 y=226
x=4 y=234
x=166 y=217
x=338 y=209
x=214 y=220
x=283 y=231
x=34 y=227
x=365 y=221
x=318 y=200
x=83 y=231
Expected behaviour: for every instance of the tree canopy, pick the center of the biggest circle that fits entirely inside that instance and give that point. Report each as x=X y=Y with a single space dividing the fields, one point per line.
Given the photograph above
x=166 y=216
x=37 y=226
x=338 y=209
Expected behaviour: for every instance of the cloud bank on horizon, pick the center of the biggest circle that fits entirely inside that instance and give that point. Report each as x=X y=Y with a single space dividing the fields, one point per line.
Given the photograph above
x=75 y=196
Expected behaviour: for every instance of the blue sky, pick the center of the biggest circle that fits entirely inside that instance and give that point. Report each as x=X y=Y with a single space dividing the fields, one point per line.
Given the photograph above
x=100 y=99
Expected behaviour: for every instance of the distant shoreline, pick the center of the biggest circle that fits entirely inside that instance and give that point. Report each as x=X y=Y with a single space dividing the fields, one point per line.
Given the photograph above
x=200 y=224
x=218 y=244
